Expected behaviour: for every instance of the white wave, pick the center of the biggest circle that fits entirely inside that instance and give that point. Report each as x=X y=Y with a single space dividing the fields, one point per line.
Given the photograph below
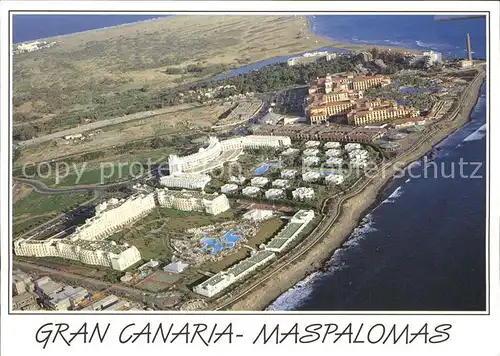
x=296 y=296
x=479 y=134
x=435 y=46
x=394 y=195
x=409 y=179
x=395 y=43
x=422 y=44
x=366 y=226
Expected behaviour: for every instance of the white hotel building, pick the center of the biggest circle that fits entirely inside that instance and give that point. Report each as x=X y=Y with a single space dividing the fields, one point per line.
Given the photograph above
x=229 y=188
x=333 y=152
x=224 y=279
x=259 y=182
x=112 y=215
x=219 y=152
x=186 y=181
x=102 y=253
x=291 y=230
x=303 y=193
x=281 y=183
x=331 y=144
x=288 y=174
x=212 y=204
x=212 y=152
x=334 y=179
x=87 y=243
x=274 y=193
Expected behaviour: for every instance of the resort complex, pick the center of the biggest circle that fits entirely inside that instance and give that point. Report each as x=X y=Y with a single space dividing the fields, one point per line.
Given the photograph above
x=342 y=96
x=225 y=279
x=217 y=153
x=88 y=244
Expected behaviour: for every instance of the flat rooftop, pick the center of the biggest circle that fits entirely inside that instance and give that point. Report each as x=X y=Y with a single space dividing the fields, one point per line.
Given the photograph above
x=287 y=232
x=249 y=262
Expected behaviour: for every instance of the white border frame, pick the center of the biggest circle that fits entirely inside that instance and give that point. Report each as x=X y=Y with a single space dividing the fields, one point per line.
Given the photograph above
x=15 y=326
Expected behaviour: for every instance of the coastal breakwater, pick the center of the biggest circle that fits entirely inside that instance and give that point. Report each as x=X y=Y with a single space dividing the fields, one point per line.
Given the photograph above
x=355 y=207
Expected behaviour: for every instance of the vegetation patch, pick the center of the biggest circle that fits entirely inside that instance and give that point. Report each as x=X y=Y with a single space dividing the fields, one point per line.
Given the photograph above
x=37 y=204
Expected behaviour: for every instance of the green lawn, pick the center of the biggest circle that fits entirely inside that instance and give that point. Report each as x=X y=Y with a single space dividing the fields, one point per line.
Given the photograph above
x=267 y=230
x=151 y=235
x=226 y=262
x=27 y=225
x=110 y=170
x=107 y=173
x=37 y=204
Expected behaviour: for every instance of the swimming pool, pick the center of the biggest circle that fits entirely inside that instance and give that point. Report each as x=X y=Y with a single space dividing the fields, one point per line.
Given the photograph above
x=231 y=237
x=214 y=245
x=265 y=167
x=326 y=172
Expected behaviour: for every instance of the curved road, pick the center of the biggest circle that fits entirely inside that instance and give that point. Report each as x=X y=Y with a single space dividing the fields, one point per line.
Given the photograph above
x=41 y=188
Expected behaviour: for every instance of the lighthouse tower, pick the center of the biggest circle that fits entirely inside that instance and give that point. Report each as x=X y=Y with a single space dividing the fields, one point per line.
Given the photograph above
x=469 y=50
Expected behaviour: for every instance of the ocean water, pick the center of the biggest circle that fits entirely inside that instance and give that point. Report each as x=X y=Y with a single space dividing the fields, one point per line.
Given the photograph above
x=422 y=247
x=32 y=27
x=419 y=32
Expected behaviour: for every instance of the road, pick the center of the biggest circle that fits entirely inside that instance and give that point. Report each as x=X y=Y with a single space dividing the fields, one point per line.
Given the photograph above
x=52 y=222
x=90 y=283
x=41 y=188
x=101 y=124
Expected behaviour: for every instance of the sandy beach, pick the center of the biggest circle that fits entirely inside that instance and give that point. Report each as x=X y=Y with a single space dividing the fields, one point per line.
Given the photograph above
x=352 y=211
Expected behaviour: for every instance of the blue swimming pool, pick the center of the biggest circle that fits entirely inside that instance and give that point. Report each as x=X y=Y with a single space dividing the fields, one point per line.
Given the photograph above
x=265 y=167
x=231 y=237
x=214 y=245
x=325 y=172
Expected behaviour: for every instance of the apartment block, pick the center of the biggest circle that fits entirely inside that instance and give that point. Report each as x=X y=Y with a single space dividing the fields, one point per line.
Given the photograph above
x=213 y=204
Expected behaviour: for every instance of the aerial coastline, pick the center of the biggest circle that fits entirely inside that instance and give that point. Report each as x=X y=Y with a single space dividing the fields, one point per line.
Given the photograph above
x=353 y=210
x=178 y=223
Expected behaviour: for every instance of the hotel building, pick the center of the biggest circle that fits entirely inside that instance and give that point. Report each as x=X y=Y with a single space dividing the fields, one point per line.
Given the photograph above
x=103 y=253
x=328 y=133
x=212 y=204
x=274 y=193
x=218 y=152
x=229 y=188
x=294 y=227
x=113 y=214
x=330 y=97
x=303 y=193
x=87 y=243
x=186 y=181
x=224 y=279
x=378 y=111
